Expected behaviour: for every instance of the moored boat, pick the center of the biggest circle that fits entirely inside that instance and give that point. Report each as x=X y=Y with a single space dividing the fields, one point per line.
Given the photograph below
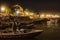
x=30 y=34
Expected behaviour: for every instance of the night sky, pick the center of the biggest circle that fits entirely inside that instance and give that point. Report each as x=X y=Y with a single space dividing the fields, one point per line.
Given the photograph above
x=35 y=5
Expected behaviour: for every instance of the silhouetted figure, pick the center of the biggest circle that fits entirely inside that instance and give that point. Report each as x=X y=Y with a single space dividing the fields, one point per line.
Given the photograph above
x=15 y=26
x=19 y=26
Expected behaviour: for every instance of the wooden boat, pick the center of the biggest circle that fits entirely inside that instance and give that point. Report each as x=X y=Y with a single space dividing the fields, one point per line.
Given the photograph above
x=30 y=34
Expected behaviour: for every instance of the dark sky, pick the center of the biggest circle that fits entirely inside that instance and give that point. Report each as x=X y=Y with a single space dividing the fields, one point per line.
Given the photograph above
x=35 y=4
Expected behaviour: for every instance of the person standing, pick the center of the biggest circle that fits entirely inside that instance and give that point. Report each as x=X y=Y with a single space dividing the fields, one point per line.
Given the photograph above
x=14 y=26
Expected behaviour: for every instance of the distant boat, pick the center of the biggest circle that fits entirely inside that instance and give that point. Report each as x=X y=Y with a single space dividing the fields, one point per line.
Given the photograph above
x=30 y=34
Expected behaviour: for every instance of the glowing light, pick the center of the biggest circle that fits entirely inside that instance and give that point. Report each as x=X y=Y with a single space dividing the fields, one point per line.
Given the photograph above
x=42 y=15
x=55 y=16
x=17 y=11
x=31 y=13
x=31 y=17
x=2 y=9
x=48 y=15
x=27 y=13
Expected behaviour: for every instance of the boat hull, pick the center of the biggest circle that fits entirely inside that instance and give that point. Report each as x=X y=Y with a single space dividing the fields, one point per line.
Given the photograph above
x=31 y=34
